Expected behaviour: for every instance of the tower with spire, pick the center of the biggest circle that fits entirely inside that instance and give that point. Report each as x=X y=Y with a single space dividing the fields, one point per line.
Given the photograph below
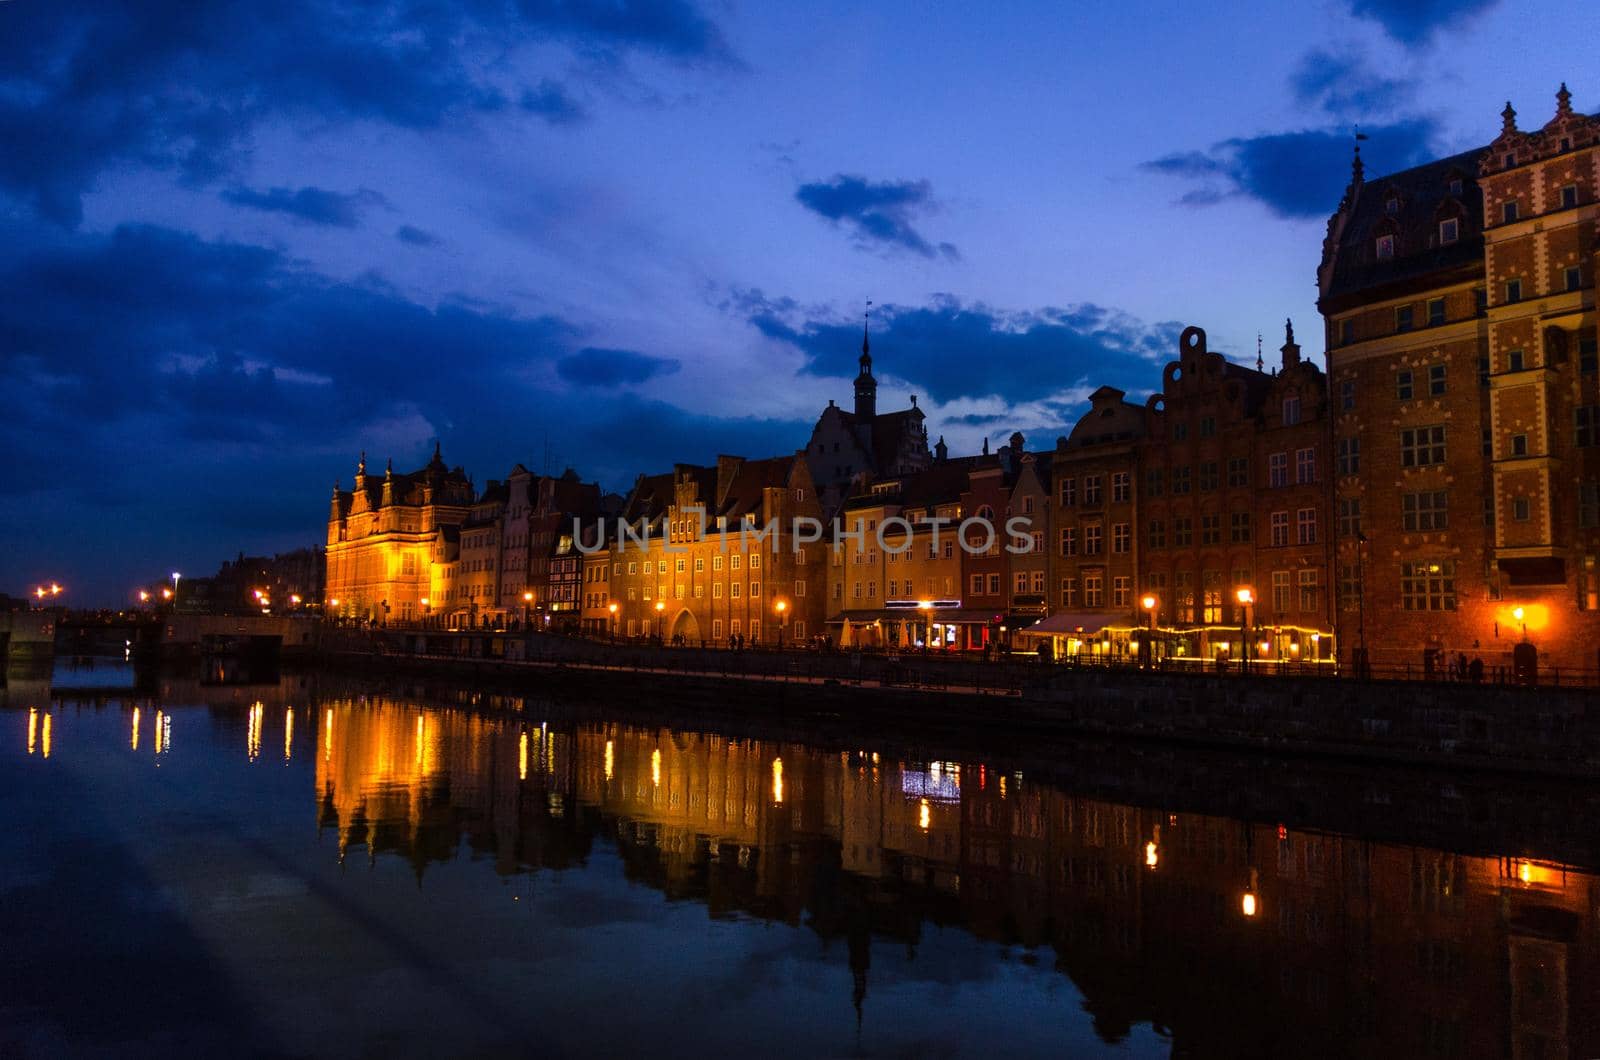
x=866 y=385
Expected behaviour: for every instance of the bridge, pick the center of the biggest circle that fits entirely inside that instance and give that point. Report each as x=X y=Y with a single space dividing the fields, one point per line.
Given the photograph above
x=35 y=638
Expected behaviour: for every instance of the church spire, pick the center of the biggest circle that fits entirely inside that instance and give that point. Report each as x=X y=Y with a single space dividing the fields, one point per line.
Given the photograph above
x=866 y=385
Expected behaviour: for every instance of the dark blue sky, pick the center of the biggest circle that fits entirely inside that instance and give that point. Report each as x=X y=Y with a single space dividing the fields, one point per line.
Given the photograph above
x=241 y=242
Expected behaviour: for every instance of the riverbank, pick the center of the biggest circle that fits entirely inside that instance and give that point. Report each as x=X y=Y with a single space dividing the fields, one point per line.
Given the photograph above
x=1543 y=732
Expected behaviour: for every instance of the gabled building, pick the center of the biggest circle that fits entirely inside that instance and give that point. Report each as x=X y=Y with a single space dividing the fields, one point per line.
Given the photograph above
x=1459 y=305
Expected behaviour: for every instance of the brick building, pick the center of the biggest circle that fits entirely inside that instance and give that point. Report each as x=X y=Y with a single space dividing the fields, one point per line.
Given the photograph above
x=1459 y=305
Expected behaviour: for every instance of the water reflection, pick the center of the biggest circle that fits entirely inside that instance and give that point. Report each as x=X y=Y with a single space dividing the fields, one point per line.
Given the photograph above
x=1230 y=937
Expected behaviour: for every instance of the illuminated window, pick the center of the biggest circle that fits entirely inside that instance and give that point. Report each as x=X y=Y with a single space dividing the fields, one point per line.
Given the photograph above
x=1428 y=585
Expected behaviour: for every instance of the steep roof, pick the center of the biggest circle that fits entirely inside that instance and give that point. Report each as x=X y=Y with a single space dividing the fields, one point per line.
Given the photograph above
x=1424 y=197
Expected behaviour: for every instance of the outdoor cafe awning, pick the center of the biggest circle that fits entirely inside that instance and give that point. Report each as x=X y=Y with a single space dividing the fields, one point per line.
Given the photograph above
x=1067 y=623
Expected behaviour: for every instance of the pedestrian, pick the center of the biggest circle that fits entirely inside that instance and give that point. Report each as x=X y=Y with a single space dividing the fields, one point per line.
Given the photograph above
x=1475 y=670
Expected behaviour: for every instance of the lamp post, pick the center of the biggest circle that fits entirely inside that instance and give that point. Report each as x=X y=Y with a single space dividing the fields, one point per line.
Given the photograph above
x=1150 y=605
x=1522 y=617
x=527 y=601
x=1247 y=598
x=661 y=606
x=926 y=607
x=1361 y=605
x=782 y=607
x=613 y=609
x=175 y=577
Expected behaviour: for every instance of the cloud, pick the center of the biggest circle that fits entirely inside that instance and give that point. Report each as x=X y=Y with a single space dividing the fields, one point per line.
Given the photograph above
x=552 y=102
x=1344 y=85
x=316 y=206
x=1415 y=22
x=160 y=83
x=172 y=361
x=951 y=350
x=417 y=237
x=1295 y=174
x=592 y=366
x=877 y=214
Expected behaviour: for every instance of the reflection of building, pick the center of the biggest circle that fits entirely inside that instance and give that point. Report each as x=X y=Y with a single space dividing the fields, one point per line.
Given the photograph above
x=1459 y=305
x=383 y=537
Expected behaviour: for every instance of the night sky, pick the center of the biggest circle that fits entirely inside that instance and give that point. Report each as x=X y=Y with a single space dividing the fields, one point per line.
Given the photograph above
x=240 y=242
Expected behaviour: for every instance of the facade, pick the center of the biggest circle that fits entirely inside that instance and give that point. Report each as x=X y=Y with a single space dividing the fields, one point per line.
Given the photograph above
x=1459 y=306
x=384 y=538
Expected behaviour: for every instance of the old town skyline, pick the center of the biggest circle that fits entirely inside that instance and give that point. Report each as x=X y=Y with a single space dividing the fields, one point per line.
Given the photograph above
x=294 y=304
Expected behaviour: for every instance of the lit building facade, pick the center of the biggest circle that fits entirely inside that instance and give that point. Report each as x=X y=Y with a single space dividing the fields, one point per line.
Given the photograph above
x=1460 y=316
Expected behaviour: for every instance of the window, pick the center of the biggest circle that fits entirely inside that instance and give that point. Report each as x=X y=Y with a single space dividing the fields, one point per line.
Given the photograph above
x=1305 y=466
x=1180 y=432
x=1436 y=379
x=1280 y=529
x=1155 y=481
x=716 y=591
x=1183 y=584
x=1291 y=410
x=977 y=585
x=1422 y=446
x=1069 y=492
x=1121 y=537
x=1588 y=358
x=1069 y=541
x=1347 y=331
x=1019 y=581
x=1428 y=585
x=1239 y=528
x=1091 y=490
x=1211 y=529
x=1210 y=476
x=716 y=562
x=1519 y=445
x=1421 y=512
x=1513 y=291
x=1514 y=361
x=1069 y=592
x=1208 y=426
x=1508 y=211
x=1347 y=394
x=699 y=564
x=1521 y=510
x=1402 y=318
x=1385 y=248
x=1211 y=596
x=1310 y=595
x=1392 y=207
x=1349 y=586
x=1349 y=516
x=1402 y=384
x=1280 y=591
x=1038 y=584
x=1092 y=540
x=1574 y=277
x=1586 y=426
x=1455 y=186
x=1156 y=534
x=1182 y=532
x=1278 y=469
x=1305 y=522
x=1435 y=312
x=1589 y=504
x=1119 y=591
x=1238 y=472
x=1569 y=196
x=1093 y=591
x=1347 y=456
x=800 y=587
x=1449 y=231
x=755 y=587
x=1180 y=481
x=1121 y=487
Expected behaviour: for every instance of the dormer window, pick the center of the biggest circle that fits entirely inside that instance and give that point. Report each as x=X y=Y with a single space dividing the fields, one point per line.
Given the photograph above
x=1511 y=160
x=1385 y=248
x=1449 y=231
x=1392 y=207
x=1455 y=186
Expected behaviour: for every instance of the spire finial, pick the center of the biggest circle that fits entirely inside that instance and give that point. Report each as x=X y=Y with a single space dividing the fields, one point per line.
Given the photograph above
x=1260 y=364
x=1563 y=102
x=388 y=468
x=361 y=465
x=1508 y=118
x=866 y=345
x=1288 y=329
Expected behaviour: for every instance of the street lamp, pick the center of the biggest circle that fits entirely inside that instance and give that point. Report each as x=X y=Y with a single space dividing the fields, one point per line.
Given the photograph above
x=1247 y=599
x=613 y=609
x=1150 y=605
x=527 y=601
x=782 y=607
x=1521 y=616
x=661 y=605
x=926 y=607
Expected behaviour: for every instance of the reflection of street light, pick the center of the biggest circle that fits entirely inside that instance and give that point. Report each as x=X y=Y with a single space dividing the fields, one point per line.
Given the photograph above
x=1247 y=904
x=782 y=607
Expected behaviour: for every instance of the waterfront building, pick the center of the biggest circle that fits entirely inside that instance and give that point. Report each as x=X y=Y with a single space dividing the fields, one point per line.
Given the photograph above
x=384 y=539
x=473 y=597
x=1458 y=300
x=287 y=582
x=598 y=610
x=706 y=554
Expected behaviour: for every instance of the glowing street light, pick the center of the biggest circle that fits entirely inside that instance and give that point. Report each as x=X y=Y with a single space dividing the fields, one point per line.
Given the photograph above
x=1247 y=598
x=782 y=607
x=527 y=602
x=1521 y=616
x=661 y=606
x=612 y=607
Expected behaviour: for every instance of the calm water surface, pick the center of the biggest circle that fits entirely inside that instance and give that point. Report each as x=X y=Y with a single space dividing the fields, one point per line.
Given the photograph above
x=280 y=870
